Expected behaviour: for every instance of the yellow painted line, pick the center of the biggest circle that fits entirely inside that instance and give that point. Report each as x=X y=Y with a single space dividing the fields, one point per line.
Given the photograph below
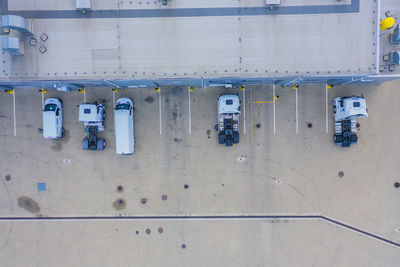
x=261 y=102
x=251 y=112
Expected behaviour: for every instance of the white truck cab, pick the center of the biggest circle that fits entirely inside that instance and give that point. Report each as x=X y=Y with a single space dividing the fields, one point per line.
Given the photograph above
x=228 y=119
x=345 y=108
x=52 y=119
x=345 y=111
x=124 y=127
x=92 y=115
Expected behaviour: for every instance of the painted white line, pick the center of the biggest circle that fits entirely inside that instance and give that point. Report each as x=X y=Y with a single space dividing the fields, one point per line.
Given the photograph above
x=159 y=104
x=84 y=95
x=326 y=107
x=297 y=113
x=273 y=97
x=244 y=110
x=15 y=118
x=378 y=28
x=113 y=99
x=190 y=112
x=42 y=101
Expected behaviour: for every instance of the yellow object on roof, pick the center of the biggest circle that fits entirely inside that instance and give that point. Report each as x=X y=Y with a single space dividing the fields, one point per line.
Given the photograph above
x=387 y=23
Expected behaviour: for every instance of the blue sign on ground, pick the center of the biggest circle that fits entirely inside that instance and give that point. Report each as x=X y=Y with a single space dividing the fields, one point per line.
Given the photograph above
x=41 y=187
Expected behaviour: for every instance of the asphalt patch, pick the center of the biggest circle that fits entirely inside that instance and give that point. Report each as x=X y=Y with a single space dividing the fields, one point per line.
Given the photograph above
x=28 y=204
x=149 y=99
x=56 y=145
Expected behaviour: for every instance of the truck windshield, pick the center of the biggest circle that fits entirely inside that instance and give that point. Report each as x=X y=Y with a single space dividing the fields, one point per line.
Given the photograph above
x=122 y=106
x=229 y=102
x=50 y=107
x=356 y=104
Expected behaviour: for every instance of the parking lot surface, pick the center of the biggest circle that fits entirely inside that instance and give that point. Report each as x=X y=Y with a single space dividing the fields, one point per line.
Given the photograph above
x=179 y=169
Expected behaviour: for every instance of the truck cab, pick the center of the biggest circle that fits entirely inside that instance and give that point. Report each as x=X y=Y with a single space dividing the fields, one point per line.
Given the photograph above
x=345 y=111
x=92 y=115
x=228 y=119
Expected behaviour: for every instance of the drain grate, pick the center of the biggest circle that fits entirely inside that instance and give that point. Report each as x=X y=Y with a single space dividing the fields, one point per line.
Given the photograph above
x=241 y=160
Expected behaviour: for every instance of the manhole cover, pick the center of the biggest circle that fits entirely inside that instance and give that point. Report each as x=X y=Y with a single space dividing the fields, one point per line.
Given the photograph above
x=120 y=188
x=186 y=186
x=276 y=181
x=397 y=185
x=137 y=232
x=66 y=161
x=8 y=177
x=258 y=125
x=143 y=201
x=160 y=230
x=309 y=125
x=183 y=246
x=119 y=204
x=164 y=197
x=148 y=231
x=341 y=174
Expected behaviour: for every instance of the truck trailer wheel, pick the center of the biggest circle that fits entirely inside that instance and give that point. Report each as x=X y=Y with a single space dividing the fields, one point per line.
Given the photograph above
x=101 y=144
x=85 y=143
x=236 y=138
x=221 y=138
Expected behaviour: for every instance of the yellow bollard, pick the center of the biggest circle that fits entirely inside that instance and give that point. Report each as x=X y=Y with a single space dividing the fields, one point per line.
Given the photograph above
x=294 y=87
x=387 y=23
x=11 y=92
x=157 y=89
x=329 y=86
x=82 y=90
x=115 y=90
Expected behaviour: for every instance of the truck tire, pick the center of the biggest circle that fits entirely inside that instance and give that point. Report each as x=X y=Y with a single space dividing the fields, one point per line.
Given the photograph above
x=236 y=138
x=221 y=138
x=101 y=144
x=104 y=115
x=338 y=139
x=85 y=143
x=353 y=139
